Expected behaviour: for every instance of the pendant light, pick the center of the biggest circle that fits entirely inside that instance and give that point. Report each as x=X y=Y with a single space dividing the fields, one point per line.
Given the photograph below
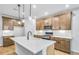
x=19 y=22
x=19 y=11
x=23 y=20
x=30 y=17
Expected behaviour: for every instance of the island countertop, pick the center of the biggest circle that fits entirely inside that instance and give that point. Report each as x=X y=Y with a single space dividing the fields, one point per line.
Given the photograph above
x=34 y=45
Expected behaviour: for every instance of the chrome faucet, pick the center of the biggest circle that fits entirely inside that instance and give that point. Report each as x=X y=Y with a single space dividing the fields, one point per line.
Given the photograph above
x=29 y=32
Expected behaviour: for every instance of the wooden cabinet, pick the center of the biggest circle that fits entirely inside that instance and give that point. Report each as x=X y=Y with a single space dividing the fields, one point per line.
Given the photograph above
x=62 y=44
x=55 y=23
x=43 y=22
x=62 y=22
x=58 y=22
x=7 y=23
x=48 y=21
x=65 y=21
x=39 y=25
x=7 y=41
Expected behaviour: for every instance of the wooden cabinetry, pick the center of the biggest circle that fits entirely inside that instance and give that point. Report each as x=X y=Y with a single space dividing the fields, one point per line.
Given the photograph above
x=9 y=23
x=7 y=41
x=62 y=22
x=39 y=25
x=58 y=22
x=43 y=22
x=65 y=21
x=62 y=44
x=55 y=23
x=48 y=21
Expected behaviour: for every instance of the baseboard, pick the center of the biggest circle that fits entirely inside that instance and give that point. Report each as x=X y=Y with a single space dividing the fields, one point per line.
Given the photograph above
x=74 y=53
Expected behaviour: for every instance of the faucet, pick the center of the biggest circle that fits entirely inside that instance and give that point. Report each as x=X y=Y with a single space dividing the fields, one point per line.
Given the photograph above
x=29 y=32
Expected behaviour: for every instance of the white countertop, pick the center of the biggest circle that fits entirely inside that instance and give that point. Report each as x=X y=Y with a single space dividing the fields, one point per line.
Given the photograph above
x=8 y=33
x=68 y=37
x=57 y=33
x=34 y=45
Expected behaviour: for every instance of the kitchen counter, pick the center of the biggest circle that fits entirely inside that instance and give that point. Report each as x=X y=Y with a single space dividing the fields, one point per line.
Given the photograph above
x=8 y=33
x=33 y=45
x=68 y=37
x=63 y=37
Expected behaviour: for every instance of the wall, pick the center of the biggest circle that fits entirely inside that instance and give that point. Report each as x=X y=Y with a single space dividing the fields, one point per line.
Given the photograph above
x=75 y=32
x=1 y=41
x=18 y=31
x=30 y=25
x=66 y=33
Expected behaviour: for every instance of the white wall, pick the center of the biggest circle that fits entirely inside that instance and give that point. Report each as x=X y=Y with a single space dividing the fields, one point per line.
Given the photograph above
x=66 y=33
x=1 y=39
x=18 y=31
x=75 y=32
x=30 y=25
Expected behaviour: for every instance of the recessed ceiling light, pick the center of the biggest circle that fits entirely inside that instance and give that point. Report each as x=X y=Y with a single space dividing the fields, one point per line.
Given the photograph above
x=67 y=6
x=34 y=6
x=46 y=13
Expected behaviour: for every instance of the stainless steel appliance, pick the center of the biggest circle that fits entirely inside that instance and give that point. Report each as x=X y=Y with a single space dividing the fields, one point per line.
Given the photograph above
x=47 y=35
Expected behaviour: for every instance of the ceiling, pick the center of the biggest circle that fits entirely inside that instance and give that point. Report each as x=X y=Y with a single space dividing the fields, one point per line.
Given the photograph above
x=38 y=10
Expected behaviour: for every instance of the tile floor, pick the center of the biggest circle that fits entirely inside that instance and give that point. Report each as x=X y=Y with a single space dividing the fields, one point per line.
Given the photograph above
x=11 y=51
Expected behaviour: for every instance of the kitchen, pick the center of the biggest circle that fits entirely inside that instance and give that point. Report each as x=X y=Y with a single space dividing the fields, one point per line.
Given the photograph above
x=57 y=30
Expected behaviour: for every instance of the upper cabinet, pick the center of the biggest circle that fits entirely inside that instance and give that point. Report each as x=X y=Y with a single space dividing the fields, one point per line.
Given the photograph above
x=9 y=23
x=47 y=21
x=58 y=22
x=55 y=23
x=65 y=21
x=39 y=25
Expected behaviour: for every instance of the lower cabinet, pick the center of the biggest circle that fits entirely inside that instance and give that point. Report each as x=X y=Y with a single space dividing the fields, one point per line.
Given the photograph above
x=62 y=44
x=7 y=41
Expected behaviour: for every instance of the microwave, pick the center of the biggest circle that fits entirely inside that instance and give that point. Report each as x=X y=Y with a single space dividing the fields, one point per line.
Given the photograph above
x=48 y=27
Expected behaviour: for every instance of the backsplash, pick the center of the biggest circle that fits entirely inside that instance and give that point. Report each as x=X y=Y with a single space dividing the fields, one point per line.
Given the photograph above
x=56 y=32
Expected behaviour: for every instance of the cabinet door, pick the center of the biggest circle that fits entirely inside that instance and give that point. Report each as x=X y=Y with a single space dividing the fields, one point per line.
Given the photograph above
x=48 y=21
x=39 y=24
x=57 y=44
x=65 y=45
x=62 y=44
x=69 y=20
x=55 y=23
x=65 y=21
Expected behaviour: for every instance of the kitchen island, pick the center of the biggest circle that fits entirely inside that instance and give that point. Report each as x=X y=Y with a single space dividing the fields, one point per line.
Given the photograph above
x=33 y=46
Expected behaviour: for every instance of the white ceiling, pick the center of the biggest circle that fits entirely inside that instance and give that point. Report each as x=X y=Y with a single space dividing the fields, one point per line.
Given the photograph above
x=39 y=11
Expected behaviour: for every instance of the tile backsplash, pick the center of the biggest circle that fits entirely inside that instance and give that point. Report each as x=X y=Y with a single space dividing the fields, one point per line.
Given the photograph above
x=67 y=33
